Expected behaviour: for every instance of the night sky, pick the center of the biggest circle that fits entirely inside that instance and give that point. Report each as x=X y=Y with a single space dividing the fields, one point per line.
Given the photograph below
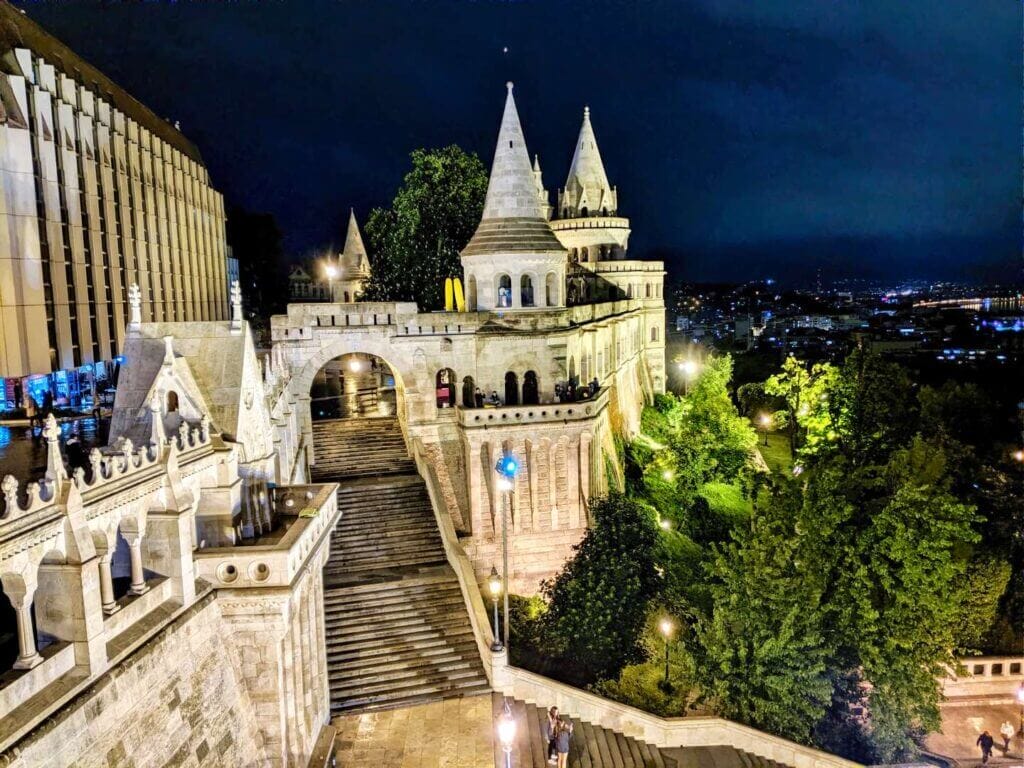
x=747 y=139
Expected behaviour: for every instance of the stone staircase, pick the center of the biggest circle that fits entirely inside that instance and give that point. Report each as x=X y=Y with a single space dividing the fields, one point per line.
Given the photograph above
x=396 y=624
x=592 y=746
x=359 y=448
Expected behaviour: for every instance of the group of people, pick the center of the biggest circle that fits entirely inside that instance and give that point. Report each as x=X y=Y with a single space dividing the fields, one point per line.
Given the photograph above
x=570 y=393
x=36 y=413
x=558 y=731
x=987 y=743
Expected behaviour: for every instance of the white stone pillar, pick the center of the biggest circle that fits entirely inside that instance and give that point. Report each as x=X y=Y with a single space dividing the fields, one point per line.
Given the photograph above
x=107 y=586
x=552 y=454
x=572 y=475
x=21 y=595
x=585 y=469
x=134 y=541
x=473 y=488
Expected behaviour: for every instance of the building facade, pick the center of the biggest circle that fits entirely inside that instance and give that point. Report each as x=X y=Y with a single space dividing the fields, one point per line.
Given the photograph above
x=99 y=193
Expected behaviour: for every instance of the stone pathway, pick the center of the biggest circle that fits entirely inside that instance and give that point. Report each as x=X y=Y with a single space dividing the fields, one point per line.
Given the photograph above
x=962 y=722
x=454 y=733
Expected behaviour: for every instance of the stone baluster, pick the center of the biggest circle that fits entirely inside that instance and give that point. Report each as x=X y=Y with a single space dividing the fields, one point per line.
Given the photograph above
x=55 y=469
x=20 y=594
x=157 y=435
x=134 y=541
x=107 y=585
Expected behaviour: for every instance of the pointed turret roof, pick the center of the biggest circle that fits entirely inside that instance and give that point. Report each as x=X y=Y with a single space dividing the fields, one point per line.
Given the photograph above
x=513 y=217
x=587 y=182
x=354 y=262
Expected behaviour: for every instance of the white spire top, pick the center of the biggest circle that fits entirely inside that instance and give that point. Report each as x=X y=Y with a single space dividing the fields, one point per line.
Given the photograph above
x=354 y=262
x=514 y=218
x=511 y=190
x=587 y=185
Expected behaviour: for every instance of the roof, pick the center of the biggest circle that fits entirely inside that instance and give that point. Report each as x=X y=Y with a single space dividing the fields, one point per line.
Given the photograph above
x=587 y=178
x=513 y=218
x=17 y=30
x=354 y=263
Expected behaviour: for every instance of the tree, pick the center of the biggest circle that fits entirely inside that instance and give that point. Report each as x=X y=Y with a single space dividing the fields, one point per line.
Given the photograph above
x=760 y=655
x=414 y=245
x=598 y=602
x=805 y=392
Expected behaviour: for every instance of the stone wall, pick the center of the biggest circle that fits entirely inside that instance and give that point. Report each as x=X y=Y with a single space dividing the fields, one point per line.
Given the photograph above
x=177 y=701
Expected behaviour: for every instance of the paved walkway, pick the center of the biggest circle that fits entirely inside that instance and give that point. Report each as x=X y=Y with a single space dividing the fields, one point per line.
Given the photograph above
x=454 y=733
x=963 y=722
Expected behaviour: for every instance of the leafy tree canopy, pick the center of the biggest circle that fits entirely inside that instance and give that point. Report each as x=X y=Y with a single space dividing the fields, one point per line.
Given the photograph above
x=414 y=245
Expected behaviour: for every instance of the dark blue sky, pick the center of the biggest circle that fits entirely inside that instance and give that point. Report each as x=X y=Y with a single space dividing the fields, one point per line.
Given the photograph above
x=746 y=138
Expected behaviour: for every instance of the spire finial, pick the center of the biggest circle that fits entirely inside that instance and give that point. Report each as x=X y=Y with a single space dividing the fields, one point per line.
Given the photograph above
x=586 y=113
x=509 y=85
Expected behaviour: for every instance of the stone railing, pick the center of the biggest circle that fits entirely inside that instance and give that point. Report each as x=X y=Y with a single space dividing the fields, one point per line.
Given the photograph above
x=590 y=222
x=509 y=415
x=306 y=515
x=992 y=677
x=627 y=265
x=659 y=731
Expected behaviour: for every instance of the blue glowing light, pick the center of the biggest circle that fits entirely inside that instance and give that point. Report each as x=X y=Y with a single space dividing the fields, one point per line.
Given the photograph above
x=507 y=466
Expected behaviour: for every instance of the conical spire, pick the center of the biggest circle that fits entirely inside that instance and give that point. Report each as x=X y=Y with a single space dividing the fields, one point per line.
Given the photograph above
x=354 y=262
x=587 y=185
x=514 y=218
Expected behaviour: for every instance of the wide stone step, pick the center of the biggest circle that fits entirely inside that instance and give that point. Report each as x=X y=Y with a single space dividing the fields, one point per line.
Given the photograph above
x=397 y=607
x=417 y=639
x=415 y=694
x=343 y=689
x=389 y=564
x=380 y=654
x=346 y=550
x=385 y=524
x=400 y=633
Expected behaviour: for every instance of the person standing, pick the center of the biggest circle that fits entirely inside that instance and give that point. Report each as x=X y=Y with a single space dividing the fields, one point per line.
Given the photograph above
x=1007 y=731
x=551 y=733
x=985 y=741
x=564 y=733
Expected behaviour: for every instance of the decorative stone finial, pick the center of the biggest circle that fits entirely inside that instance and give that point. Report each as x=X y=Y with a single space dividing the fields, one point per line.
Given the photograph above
x=134 y=306
x=586 y=113
x=204 y=427
x=168 y=351
x=9 y=487
x=95 y=463
x=236 y=306
x=55 y=469
x=509 y=85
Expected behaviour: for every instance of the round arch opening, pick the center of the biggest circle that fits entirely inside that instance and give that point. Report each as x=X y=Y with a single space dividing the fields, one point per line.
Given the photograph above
x=355 y=385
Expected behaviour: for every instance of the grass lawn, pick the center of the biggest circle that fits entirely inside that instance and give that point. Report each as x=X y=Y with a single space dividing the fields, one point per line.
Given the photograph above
x=727 y=500
x=776 y=454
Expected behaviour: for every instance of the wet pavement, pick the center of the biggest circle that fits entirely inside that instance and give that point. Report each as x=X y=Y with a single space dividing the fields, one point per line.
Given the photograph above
x=23 y=451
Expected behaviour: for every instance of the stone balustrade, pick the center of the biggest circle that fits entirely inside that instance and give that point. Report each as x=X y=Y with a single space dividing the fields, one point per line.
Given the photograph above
x=627 y=265
x=506 y=415
x=992 y=677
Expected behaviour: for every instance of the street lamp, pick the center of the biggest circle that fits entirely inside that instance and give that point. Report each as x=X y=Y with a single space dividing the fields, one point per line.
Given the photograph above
x=507 y=467
x=665 y=626
x=766 y=421
x=494 y=585
x=689 y=369
x=332 y=272
x=1018 y=455
x=507 y=733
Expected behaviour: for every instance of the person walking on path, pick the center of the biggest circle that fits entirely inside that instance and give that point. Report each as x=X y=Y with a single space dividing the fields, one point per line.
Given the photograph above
x=1007 y=731
x=985 y=741
x=564 y=733
x=551 y=733
x=31 y=412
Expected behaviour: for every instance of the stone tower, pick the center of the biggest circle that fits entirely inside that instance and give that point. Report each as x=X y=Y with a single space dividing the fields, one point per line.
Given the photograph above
x=513 y=261
x=587 y=220
x=353 y=263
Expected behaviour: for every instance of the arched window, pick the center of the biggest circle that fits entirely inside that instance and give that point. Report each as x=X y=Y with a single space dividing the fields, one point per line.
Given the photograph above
x=445 y=388
x=565 y=213
x=504 y=291
x=551 y=289
x=647 y=290
x=511 y=389
x=654 y=333
x=531 y=394
x=604 y=211
x=585 y=367
x=468 y=393
x=572 y=369
x=584 y=212
x=172 y=401
x=471 y=293
x=584 y=254
x=526 y=291
x=629 y=291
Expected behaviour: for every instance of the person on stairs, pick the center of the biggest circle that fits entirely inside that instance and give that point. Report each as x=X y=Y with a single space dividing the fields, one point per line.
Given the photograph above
x=564 y=733
x=551 y=733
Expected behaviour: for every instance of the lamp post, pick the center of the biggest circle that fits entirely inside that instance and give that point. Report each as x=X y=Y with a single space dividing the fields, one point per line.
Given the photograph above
x=332 y=272
x=507 y=733
x=665 y=625
x=766 y=421
x=494 y=585
x=689 y=369
x=507 y=467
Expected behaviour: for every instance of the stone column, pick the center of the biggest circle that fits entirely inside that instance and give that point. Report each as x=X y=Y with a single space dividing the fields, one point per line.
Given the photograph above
x=473 y=488
x=552 y=455
x=107 y=586
x=585 y=469
x=21 y=600
x=572 y=476
x=134 y=541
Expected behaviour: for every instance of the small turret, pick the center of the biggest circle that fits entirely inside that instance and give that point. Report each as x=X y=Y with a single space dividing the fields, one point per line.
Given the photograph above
x=354 y=263
x=587 y=191
x=545 y=198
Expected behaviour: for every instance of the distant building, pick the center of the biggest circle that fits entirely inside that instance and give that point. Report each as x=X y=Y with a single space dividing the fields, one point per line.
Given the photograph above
x=101 y=194
x=232 y=267
x=343 y=276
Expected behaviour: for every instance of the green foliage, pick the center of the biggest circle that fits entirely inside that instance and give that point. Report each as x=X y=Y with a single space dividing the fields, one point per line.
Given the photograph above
x=414 y=245
x=984 y=584
x=760 y=654
x=960 y=411
x=598 y=602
